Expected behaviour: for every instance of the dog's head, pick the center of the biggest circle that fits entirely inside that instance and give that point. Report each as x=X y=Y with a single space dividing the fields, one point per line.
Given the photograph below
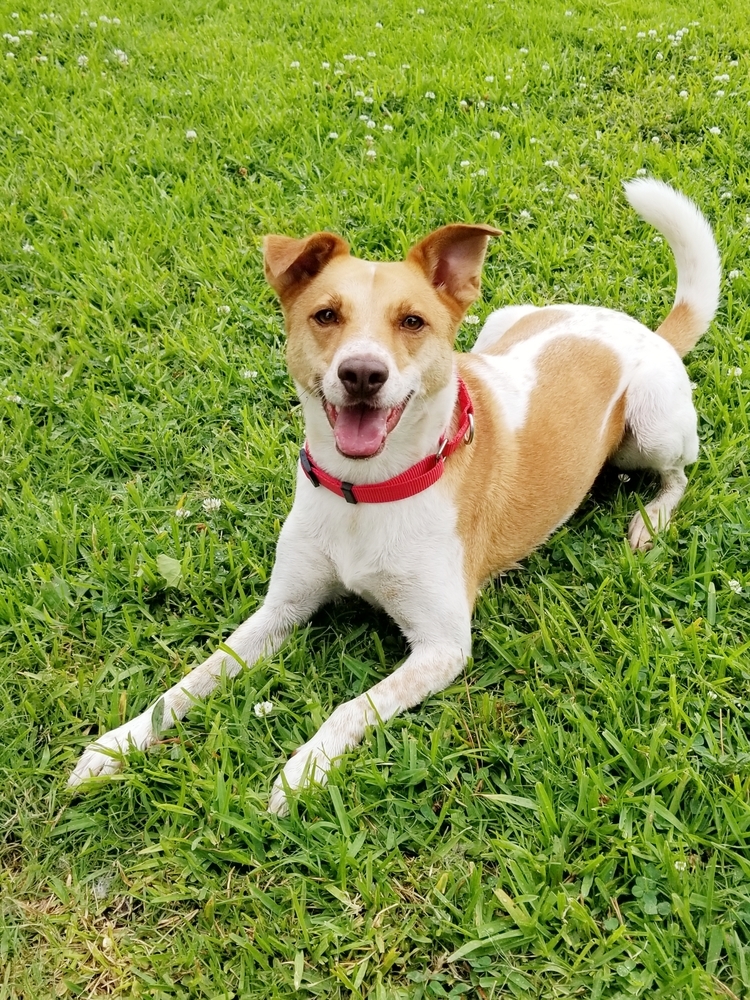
x=370 y=344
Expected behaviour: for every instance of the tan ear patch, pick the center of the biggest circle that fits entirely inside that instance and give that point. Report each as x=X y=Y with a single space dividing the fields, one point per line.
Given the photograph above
x=290 y=263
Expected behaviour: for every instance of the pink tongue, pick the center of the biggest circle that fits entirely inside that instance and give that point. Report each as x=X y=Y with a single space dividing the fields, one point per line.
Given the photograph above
x=359 y=430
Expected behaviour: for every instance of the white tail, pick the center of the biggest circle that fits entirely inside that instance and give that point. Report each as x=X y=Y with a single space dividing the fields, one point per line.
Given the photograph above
x=696 y=255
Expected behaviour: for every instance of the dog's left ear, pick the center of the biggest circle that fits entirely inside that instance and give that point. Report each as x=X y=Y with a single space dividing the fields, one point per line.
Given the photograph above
x=290 y=263
x=452 y=259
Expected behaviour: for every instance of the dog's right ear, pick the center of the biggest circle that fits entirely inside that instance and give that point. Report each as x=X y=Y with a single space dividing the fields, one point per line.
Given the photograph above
x=291 y=263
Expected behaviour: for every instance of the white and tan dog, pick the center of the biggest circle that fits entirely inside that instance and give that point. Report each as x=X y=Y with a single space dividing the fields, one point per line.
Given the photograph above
x=395 y=502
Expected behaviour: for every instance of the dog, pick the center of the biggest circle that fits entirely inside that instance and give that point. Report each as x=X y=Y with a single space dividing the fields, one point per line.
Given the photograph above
x=426 y=472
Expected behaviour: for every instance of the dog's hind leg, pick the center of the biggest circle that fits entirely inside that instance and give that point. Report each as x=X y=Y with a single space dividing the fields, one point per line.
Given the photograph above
x=662 y=435
x=302 y=580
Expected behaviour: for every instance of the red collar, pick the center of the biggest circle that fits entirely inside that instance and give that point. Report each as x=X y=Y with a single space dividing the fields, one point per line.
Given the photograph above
x=416 y=479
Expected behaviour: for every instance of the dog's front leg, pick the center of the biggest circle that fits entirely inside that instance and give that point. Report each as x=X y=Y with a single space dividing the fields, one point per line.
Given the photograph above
x=432 y=666
x=302 y=580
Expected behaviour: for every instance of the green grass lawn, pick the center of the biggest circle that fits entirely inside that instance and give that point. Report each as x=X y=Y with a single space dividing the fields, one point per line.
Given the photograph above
x=572 y=819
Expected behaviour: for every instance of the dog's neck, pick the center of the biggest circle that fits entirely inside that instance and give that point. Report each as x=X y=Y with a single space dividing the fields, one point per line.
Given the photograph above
x=417 y=435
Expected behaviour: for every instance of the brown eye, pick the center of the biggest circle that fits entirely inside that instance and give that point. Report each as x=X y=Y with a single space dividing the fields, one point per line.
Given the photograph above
x=326 y=317
x=412 y=323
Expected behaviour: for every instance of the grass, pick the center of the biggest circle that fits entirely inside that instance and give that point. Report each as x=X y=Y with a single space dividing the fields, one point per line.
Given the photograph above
x=572 y=819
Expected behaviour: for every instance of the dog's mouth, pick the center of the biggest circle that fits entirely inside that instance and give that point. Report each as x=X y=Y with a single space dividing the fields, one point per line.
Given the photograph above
x=360 y=431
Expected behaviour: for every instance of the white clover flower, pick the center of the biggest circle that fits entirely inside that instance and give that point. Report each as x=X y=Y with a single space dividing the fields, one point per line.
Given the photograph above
x=735 y=586
x=333 y=135
x=551 y=163
x=28 y=248
x=430 y=95
x=524 y=52
x=659 y=56
x=715 y=130
x=405 y=66
x=641 y=34
x=211 y=504
x=545 y=66
x=734 y=371
x=121 y=56
x=722 y=78
x=83 y=61
x=463 y=104
x=372 y=55
x=370 y=123
x=568 y=13
x=471 y=320
x=672 y=77
x=712 y=695
x=13 y=398
x=481 y=104
x=14 y=14
x=378 y=24
x=489 y=79
x=720 y=93
x=480 y=173
x=249 y=373
x=573 y=196
x=508 y=77
x=641 y=172
x=338 y=72
x=363 y=118
x=371 y=153
x=326 y=65
x=182 y=512
x=680 y=866
x=40 y=59
x=725 y=195
x=524 y=214
x=655 y=139
x=420 y=10
x=657 y=239
x=683 y=94
x=733 y=275
x=115 y=20
x=623 y=27
x=294 y=64
x=223 y=310
x=359 y=93
x=652 y=33
x=368 y=100
x=387 y=128
x=350 y=57
x=369 y=139
x=465 y=163
x=263 y=708
x=191 y=135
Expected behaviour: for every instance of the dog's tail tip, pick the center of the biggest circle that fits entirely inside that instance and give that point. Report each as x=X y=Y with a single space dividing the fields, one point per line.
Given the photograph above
x=698 y=266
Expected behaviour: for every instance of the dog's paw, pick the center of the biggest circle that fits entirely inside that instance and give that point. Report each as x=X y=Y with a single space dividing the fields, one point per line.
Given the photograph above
x=641 y=534
x=309 y=765
x=105 y=755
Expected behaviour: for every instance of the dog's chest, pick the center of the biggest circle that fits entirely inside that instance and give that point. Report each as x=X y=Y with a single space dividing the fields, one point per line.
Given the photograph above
x=384 y=551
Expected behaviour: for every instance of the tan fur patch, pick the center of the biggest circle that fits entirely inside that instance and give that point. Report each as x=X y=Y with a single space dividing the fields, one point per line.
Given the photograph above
x=682 y=329
x=527 y=327
x=513 y=489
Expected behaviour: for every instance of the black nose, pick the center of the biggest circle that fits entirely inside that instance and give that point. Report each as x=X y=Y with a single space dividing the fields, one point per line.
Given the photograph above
x=362 y=376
